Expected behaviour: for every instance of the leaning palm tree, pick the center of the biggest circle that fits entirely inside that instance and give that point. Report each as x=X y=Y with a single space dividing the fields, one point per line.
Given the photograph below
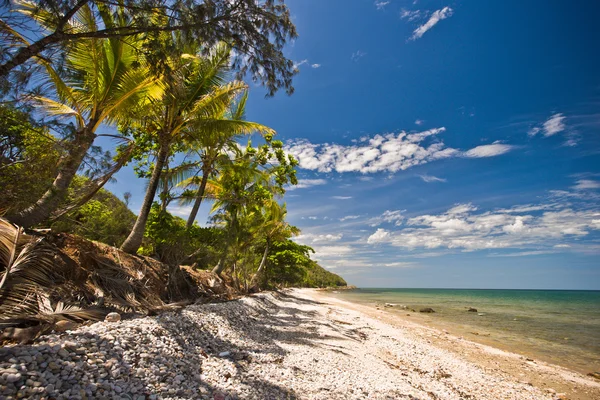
x=100 y=82
x=272 y=227
x=197 y=96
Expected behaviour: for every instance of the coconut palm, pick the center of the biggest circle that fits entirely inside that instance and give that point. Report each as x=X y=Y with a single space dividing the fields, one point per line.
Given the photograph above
x=196 y=99
x=216 y=138
x=100 y=82
x=272 y=227
x=241 y=189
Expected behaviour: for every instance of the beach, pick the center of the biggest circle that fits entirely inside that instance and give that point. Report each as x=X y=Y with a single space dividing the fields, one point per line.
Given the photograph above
x=297 y=344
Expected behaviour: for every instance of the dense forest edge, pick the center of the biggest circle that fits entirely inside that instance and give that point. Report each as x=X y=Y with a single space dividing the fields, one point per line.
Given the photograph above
x=170 y=92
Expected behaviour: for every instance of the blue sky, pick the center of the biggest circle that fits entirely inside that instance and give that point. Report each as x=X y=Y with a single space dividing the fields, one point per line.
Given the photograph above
x=442 y=144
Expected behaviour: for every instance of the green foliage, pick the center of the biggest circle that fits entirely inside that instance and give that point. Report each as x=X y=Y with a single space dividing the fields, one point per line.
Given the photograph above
x=289 y=264
x=105 y=218
x=320 y=277
x=28 y=155
x=168 y=239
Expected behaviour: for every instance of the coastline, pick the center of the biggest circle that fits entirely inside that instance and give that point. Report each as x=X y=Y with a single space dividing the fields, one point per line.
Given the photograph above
x=536 y=335
x=543 y=375
x=299 y=344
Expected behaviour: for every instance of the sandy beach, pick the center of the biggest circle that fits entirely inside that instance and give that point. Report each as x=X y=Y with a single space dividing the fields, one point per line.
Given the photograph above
x=301 y=344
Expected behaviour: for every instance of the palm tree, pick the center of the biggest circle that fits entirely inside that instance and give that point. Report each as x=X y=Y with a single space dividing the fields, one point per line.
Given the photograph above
x=273 y=227
x=217 y=137
x=242 y=188
x=102 y=80
x=195 y=100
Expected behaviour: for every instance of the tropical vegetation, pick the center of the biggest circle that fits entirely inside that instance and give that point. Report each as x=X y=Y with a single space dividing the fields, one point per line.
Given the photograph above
x=165 y=81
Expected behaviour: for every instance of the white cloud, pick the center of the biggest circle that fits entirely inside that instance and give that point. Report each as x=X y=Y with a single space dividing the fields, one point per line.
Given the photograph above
x=555 y=124
x=586 y=184
x=489 y=150
x=401 y=264
x=180 y=211
x=391 y=152
x=436 y=17
x=431 y=178
x=411 y=15
x=380 y=236
x=341 y=197
x=528 y=228
x=298 y=64
x=419 y=122
x=552 y=126
x=380 y=5
x=389 y=216
x=322 y=252
x=357 y=55
x=349 y=217
x=309 y=238
x=306 y=183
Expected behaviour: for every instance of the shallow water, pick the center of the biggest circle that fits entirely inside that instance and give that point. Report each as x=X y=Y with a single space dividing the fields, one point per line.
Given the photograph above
x=558 y=326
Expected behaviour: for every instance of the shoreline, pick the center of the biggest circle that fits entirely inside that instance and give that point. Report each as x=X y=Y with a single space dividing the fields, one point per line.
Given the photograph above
x=578 y=360
x=538 y=373
x=298 y=344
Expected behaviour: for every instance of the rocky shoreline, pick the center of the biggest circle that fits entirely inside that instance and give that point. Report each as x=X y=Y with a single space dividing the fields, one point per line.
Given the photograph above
x=267 y=346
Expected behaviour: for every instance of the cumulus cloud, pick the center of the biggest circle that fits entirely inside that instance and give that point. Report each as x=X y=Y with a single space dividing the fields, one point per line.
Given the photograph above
x=380 y=236
x=489 y=150
x=306 y=183
x=431 y=178
x=390 y=152
x=419 y=122
x=436 y=17
x=549 y=226
x=315 y=66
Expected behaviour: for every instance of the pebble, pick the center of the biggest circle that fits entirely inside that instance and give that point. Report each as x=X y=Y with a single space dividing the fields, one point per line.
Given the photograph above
x=245 y=349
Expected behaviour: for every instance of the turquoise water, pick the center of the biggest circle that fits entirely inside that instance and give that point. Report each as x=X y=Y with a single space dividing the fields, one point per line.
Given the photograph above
x=559 y=326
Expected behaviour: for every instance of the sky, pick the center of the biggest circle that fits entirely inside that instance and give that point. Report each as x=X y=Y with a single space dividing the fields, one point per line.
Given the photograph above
x=442 y=144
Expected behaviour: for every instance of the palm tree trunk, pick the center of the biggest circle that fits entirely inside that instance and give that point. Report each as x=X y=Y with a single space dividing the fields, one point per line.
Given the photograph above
x=134 y=240
x=199 y=197
x=49 y=202
x=262 y=263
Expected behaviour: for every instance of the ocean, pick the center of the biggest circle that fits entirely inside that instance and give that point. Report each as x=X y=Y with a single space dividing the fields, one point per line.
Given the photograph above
x=557 y=326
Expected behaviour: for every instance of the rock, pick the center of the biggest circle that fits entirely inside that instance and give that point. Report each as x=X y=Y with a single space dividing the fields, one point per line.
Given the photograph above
x=218 y=396
x=224 y=354
x=594 y=375
x=63 y=353
x=113 y=317
x=63 y=326
x=471 y=309
x=427 y=310
x=12 y=378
